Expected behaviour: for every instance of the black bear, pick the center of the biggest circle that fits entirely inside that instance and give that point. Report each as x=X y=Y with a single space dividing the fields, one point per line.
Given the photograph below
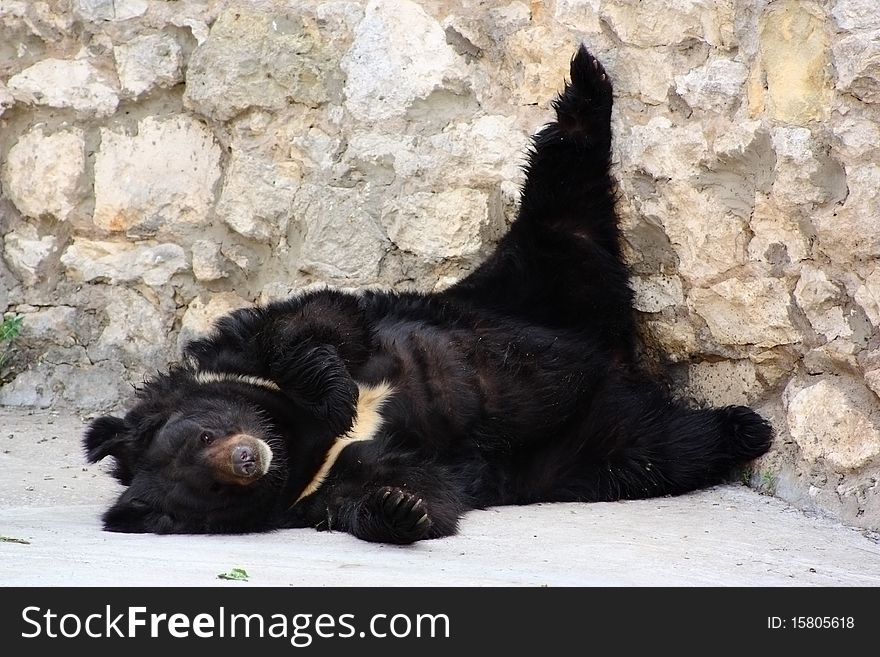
x=388 y=415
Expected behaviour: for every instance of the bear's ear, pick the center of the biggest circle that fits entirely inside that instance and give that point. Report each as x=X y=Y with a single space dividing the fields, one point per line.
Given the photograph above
x=106 y=436
x=113 y=436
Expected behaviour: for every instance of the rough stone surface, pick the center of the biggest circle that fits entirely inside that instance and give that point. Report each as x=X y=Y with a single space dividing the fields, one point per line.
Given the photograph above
x=756 y=314
x=135 y=332
x=148 y=61
x=856 y=14
x=208 y=263
x=158 y=180
x=43 y=173
x=256 y=198
x=109 y=10
x=852 y=230
x=26 y=252
x=258 y=59
x=121 y=262
x=835 y=419
x=668 y=23
x=868 y=296
x=794 y=43
x=349 y=250
x=66 y=83
x=716 y=87
x=399 y=55
x=444 y=225
x=654 y=293
x=821 y=301
x=724 y=383
x=168 y=160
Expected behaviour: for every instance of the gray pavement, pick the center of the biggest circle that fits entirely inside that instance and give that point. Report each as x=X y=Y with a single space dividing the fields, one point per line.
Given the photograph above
x=50 y=503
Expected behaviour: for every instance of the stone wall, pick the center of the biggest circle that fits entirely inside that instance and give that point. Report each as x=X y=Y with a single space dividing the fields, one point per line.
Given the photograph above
x=166 y=161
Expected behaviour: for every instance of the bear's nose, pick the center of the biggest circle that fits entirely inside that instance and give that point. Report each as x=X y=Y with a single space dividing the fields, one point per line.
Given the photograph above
x=244 y=460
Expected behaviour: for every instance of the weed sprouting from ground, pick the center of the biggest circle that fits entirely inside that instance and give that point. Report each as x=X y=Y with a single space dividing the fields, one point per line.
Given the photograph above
x=10 y=328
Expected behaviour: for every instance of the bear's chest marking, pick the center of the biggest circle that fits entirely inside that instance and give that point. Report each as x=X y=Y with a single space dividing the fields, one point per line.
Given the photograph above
x=207 y=376
x=367 y=423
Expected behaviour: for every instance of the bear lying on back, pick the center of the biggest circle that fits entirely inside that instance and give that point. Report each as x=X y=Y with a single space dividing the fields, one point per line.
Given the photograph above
x=388 y=415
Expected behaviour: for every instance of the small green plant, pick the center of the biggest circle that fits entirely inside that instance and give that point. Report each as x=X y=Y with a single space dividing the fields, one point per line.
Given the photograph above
x=9 y=539
x=10 y=329
x=237 y=574
x=767 y=482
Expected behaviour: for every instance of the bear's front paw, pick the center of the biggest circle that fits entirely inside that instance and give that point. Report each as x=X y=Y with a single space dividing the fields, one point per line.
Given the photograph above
x=392 y=515
x=316 y=377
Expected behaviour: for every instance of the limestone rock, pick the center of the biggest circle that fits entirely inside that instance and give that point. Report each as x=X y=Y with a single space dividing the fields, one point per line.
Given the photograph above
x=777 y=239
x=26 y=253
x=208 y=263
x=580 y=15
x=677 y=337
x=342 y=242
x=724 y=383
x=152 y=60
x=669 y=23
x=55 y=325
x=872 y=378
x=794 y=59
x=34 y=387
x=868 y=296
x=835 y=419
x=647 y=74
x=43 y=173
x=136 y=332
x=6 y=99
x=853 y=230
x=857 y=61
x=487 y=151
x=743 y=313
x=157 y=182
x=663 y=150
x=716 y=87
x=121 y=262
x=856 y=136
x=707 y=240
x=537 y=66
x=805 y=174
x=66 y=83
x=109 y=10
x=856 y=14
x=259 y=59
x=399 y=55
x=380 y=158
x=654 y=293
x=822 y=303
x=449 y=224
x=257 y=197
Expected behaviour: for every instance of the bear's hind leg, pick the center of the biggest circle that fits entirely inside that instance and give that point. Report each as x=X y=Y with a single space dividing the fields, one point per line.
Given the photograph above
x=638 y=443
x=560 y=265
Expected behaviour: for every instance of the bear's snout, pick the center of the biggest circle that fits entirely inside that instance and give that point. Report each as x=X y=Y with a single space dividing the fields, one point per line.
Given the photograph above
x=240 y=459
x=244 y=460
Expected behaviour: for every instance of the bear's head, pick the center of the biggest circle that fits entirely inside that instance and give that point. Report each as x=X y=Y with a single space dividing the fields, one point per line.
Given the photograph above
x=206 y=453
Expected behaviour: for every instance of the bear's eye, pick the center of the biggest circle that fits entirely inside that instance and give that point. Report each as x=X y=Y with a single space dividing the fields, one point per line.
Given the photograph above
x=207 y=437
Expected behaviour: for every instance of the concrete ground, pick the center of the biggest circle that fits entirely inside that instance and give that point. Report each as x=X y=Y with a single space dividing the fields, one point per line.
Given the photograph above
x=50 y=534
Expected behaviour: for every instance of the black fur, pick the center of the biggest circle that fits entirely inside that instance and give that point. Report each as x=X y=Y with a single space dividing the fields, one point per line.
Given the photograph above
x=520 y=384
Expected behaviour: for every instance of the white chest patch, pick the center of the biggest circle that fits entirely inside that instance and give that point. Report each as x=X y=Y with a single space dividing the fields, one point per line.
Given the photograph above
x=367 y=422
x=206 y=376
